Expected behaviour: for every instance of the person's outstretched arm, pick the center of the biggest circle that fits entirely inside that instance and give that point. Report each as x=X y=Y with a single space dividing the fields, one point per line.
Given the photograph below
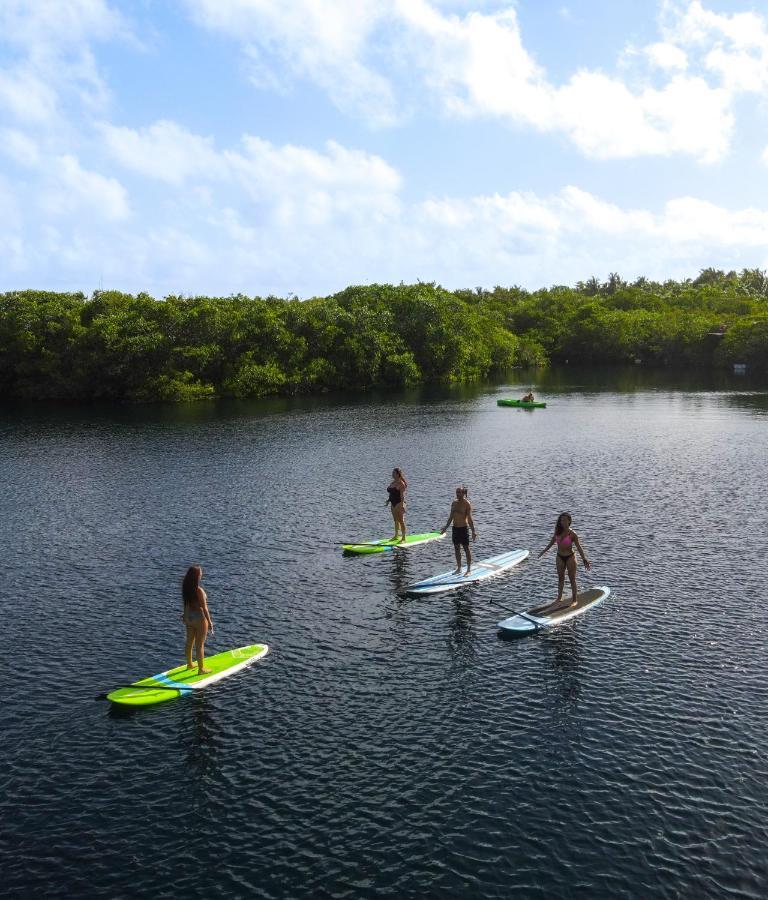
x=549 y=545
x=471 y=521
x=577 y=542
x=450 y=519
x=206 y=611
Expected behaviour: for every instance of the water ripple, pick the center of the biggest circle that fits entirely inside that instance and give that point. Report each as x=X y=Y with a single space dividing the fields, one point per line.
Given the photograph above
x=388 y=746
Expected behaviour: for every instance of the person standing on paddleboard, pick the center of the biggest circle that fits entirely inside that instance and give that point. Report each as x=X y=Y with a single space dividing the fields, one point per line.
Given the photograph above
x=196 y=617
x=566 y=539
x=396 y=491
x=460 y=517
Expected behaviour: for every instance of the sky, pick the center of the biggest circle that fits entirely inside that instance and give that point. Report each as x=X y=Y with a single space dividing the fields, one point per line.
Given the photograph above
x=295 y=147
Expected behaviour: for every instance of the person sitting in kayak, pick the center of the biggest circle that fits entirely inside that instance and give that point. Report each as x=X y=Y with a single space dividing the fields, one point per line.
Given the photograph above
x=566 y=539
x=396 y=491
x=196 y=617
x=528 y=398
x=460 y=517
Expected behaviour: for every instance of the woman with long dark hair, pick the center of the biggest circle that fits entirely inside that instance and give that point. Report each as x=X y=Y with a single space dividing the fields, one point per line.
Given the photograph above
x=566 y=540
x=396 y=501
x=196 y=617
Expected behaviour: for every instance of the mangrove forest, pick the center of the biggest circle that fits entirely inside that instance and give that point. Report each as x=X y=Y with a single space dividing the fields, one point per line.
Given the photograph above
x=119 y=346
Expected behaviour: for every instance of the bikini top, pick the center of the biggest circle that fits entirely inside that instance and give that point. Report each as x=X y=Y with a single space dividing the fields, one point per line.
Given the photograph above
x=563 y=539
x=394 y=495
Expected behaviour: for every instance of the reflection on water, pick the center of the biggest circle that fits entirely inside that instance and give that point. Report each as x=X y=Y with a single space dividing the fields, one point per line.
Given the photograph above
x=563 y=653
x=462 y=632
x=757 y=402
x=200 y=739
x=399 y=570
x=631 y=379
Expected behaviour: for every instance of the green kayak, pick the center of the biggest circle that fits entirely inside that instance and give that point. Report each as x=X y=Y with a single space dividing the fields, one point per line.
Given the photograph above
x=382 y=546
x=521 y=403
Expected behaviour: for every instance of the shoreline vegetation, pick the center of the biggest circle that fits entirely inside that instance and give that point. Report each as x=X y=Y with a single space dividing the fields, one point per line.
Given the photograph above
x=116 y=346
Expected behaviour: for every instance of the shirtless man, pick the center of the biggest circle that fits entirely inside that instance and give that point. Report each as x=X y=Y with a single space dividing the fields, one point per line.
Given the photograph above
x=461 y=517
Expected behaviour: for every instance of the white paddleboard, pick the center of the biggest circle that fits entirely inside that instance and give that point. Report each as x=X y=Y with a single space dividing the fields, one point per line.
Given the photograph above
x=545 y=617
x=486 y=568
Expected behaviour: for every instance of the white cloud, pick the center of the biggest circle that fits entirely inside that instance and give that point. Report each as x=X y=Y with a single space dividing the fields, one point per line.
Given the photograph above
x=666 y=56
x=20 y=148
x=734 y=48
x=49 y=58
x=320 y=39
x=46 y=23
x=302 y=185
x=514 y=213
x=597 y=215
x=688 y=220
x=478 y=64
x=316 y=186
x=258 y=216
x=12 y=251
x=691 y=23
x=280 y=219
x=481 y=67
x=72 y=189
x=164 y=150
x=27 y=96
x=570 y=235
x=606 y=121
x=475 y=64
x=684 y=222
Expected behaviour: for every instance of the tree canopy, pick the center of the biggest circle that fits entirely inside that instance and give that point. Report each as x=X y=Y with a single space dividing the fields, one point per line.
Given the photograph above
x=125 y=347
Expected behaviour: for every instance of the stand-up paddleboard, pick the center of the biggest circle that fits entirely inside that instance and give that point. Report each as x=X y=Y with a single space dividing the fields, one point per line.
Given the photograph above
x=521 y=404
x=543 y=617
x=486 y=568
x=382 y=546
x=181 y=681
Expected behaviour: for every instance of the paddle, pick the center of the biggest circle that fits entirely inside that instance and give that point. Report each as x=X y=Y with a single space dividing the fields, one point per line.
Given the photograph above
x=384 y=542
x=368 y=543
x=445 y=584
x=426 y=593
x=146 y=687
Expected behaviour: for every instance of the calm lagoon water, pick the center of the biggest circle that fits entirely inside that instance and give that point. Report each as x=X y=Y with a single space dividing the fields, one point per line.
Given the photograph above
x=389 y=746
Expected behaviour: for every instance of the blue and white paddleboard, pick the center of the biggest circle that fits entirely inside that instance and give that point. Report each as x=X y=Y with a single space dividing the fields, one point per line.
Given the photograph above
x=486 y=568
x=547 y=617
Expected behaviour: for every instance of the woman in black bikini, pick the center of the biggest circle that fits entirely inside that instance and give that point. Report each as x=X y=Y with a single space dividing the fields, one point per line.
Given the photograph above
x=396 y=491
x=566 y=539
x=196 y=617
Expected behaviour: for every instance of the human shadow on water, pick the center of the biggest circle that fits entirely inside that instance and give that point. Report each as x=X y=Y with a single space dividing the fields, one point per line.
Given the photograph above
x=201 y=743
x=562 y=649
x=462 y=635
x=200 y=735
x=400 y=575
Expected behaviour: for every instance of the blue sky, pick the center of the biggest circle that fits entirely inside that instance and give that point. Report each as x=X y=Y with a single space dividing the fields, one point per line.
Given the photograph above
x=298 y=146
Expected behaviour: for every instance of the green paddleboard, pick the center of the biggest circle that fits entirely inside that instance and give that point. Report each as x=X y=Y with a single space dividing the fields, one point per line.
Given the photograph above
x=382 y=546
x=182 y=681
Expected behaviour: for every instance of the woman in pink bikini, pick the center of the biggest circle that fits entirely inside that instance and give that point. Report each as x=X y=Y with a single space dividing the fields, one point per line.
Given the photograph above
x=566 y=539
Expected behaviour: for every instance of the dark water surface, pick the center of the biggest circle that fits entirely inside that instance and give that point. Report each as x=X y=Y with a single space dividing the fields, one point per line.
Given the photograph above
x=387 y=746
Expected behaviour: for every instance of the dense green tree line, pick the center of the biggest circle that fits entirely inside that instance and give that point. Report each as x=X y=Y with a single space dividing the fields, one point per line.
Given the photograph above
x=119 y=346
